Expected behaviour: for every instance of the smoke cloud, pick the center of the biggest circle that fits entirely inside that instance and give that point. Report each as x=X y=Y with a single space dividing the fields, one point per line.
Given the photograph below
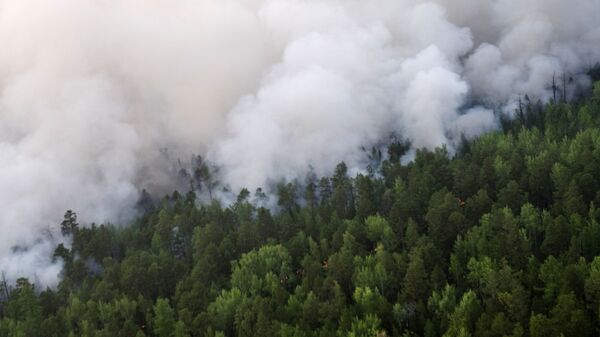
x=91 y=90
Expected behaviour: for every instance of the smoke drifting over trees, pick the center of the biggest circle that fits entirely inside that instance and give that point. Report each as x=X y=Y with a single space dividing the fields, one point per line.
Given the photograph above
x=91 y=90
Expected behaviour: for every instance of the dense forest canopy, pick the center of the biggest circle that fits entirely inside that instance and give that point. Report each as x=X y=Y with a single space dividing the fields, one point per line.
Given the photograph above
x=501 y=239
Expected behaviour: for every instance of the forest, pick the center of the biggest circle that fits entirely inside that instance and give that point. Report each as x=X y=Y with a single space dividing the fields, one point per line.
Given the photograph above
x=501 y=238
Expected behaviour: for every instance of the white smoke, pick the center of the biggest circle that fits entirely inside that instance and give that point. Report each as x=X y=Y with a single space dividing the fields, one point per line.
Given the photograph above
x=92 y=89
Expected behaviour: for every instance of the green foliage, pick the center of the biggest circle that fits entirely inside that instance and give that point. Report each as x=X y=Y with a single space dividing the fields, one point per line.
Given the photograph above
x=500 y=239
x=253 y=272
x=164 y=318
x=367 y=327
x=462 y=319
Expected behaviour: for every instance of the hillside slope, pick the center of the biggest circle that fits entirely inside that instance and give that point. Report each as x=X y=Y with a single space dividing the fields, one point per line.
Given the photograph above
x=502 y=239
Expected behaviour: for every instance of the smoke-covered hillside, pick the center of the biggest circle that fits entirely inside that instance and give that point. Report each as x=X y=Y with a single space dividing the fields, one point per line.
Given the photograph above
x=92 y=92
x=501 y=239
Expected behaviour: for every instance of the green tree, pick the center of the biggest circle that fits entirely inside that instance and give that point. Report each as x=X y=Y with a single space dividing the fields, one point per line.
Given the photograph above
x=462 y=320
x=366 y=201
x=366 y=327
x=444 y=219
x=415 y=285
x=164 y=318
x=24 y=310
x=342 y=197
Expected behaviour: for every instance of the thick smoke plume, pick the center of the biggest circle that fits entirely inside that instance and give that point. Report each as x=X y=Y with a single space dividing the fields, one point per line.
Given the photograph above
x=92 y=89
